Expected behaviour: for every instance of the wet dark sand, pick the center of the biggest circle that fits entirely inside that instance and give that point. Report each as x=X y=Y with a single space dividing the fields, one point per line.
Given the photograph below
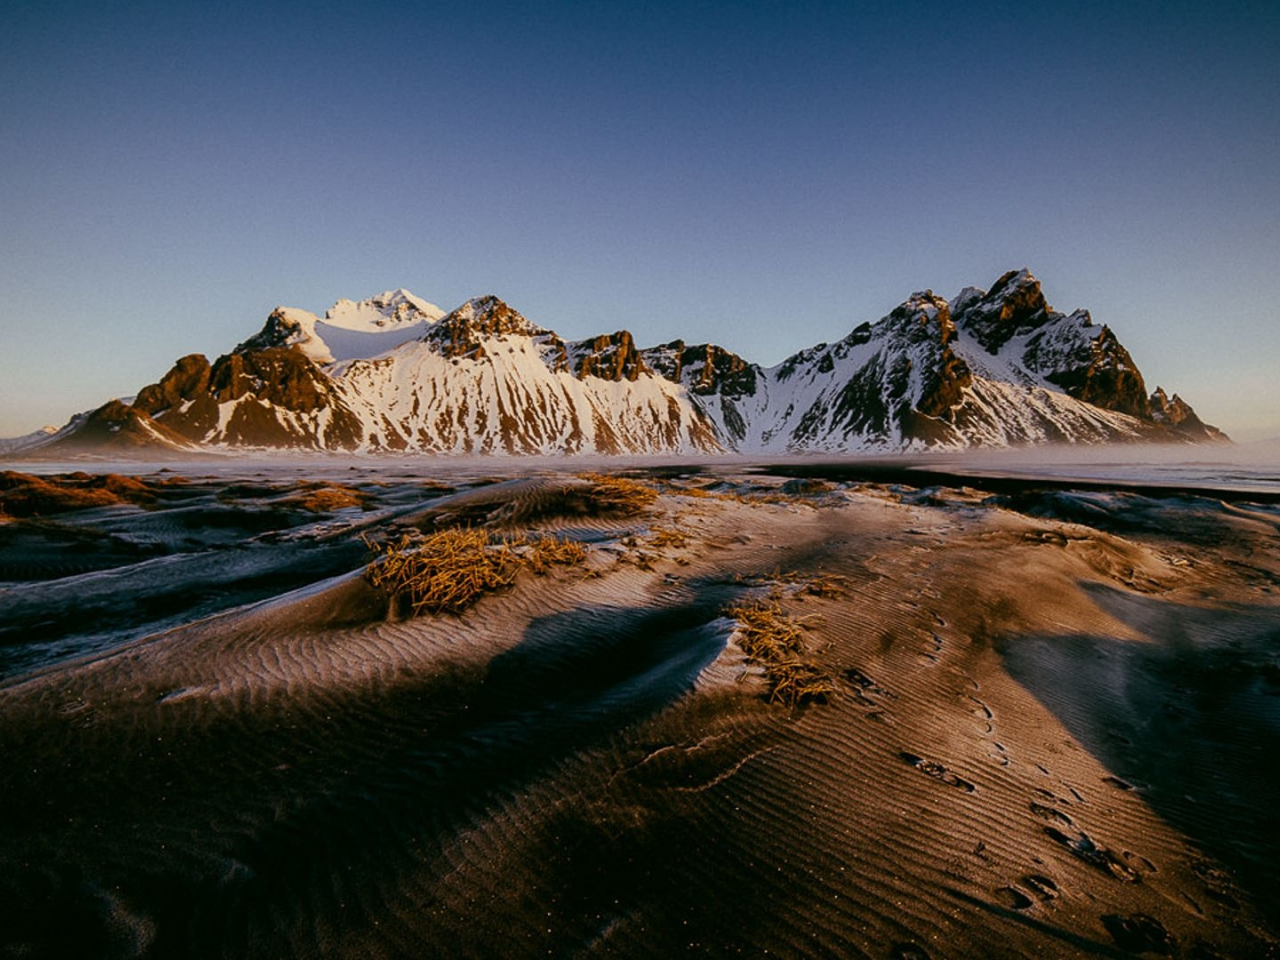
x=1055 y=730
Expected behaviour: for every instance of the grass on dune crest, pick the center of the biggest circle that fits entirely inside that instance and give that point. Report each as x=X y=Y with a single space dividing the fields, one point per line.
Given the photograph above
x=25 y=495
x=327 y=497
x=448 y=571
x=774 y=640
x=616 y=495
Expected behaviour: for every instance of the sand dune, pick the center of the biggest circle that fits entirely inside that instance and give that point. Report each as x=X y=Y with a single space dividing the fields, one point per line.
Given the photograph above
x=1053 y=731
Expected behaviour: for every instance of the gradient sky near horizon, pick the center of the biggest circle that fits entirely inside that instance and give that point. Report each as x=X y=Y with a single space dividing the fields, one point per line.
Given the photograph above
x=760 y=175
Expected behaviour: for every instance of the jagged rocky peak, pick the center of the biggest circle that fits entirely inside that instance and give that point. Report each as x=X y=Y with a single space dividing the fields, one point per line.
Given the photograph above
x=610 y=356
x=1171 y=410
x=283 y=326
x=924 y=316
x=393 y=372
x=289 y=327
x=460 y=333
x=1066 y=352
x=1013 y=305
x=703 y=368
x=490 y=316
x=1176 y=414
x=187 y=379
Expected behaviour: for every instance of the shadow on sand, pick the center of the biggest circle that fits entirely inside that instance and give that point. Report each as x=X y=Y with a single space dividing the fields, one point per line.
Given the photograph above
x=1191 y=721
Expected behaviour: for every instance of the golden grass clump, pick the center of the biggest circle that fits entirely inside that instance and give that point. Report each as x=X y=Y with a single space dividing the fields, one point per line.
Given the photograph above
x=445 y=572
x=26 y=495
x=769 y=637
x=541 y=555
x=617 y=495
x=696 y=492
x=798 y=681
x=661 y=537
x=324 y=498
x=829 y=586
x=448 y=571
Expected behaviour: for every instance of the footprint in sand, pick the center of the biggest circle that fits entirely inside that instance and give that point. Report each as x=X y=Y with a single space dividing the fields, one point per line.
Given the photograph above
x=1051 y=814
x=1137 y=862
x=1013 y=898
x=1041 y=887
x=933 y=768
x=931 y=656
x=1217 y=884
x=1139 y=933
x=865 y=688
x=983 y=712
x=1118 y=783
x=1097 y=856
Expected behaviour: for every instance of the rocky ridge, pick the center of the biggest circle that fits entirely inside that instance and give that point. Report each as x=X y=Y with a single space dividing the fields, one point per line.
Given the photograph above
x=394 y=373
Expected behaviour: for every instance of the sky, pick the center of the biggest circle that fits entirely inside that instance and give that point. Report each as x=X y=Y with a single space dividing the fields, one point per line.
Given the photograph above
x=760 y=175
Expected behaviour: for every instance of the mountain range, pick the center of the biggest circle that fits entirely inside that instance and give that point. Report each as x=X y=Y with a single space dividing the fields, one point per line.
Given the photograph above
x=395 y=373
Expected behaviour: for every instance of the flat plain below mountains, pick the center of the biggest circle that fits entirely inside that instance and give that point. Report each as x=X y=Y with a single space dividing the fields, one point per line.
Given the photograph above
x=771 y=710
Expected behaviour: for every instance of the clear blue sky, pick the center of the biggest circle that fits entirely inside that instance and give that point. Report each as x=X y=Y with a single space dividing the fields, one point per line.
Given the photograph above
x=762 y=175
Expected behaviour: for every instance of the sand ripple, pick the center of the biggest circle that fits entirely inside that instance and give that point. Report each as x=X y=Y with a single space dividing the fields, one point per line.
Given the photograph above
x=580 y=765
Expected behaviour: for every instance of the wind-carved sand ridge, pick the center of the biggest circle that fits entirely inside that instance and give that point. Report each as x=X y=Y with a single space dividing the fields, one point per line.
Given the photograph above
x=1045 y=725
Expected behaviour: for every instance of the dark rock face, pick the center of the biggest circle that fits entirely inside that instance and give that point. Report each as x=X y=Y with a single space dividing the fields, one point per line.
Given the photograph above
x=459 y=334
x=711 y=369
x=280 y=376
x=187 y=380
x=1104 y=375
x=185 y=401
x=274 y=333
x=1014 y=304
x=119 y=426
x=915 y=380
x=1176 y=414
x=924 y=322
x=1086 y=361
x=609 y=357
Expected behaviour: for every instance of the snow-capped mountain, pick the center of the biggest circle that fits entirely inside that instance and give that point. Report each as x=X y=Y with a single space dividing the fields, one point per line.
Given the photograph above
x=28 y=440
x=348 y=330
x=396 y=373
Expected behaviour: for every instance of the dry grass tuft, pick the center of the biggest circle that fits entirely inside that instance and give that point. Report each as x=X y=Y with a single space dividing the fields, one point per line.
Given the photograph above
x=26 y=495
x=766 y=633
x=795 y=682
x=769 y=637
x=830 y=586
x=661 y=537
x=617 y=495
x=325 y=498
x=696 y=492
x=448 y=571
x=445 y=572
x=541 y=555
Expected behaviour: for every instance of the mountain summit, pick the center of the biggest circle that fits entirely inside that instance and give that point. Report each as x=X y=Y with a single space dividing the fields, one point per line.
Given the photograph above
x=394 y=372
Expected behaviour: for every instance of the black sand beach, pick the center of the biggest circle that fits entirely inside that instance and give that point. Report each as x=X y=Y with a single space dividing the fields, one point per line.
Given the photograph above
x=1043 y=717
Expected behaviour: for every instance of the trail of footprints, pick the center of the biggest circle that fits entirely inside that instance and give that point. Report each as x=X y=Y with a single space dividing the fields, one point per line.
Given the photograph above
x=1137 y=932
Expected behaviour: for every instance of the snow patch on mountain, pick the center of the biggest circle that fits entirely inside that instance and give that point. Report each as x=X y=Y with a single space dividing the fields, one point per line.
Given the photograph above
x=350 y=329
x=28 y=441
